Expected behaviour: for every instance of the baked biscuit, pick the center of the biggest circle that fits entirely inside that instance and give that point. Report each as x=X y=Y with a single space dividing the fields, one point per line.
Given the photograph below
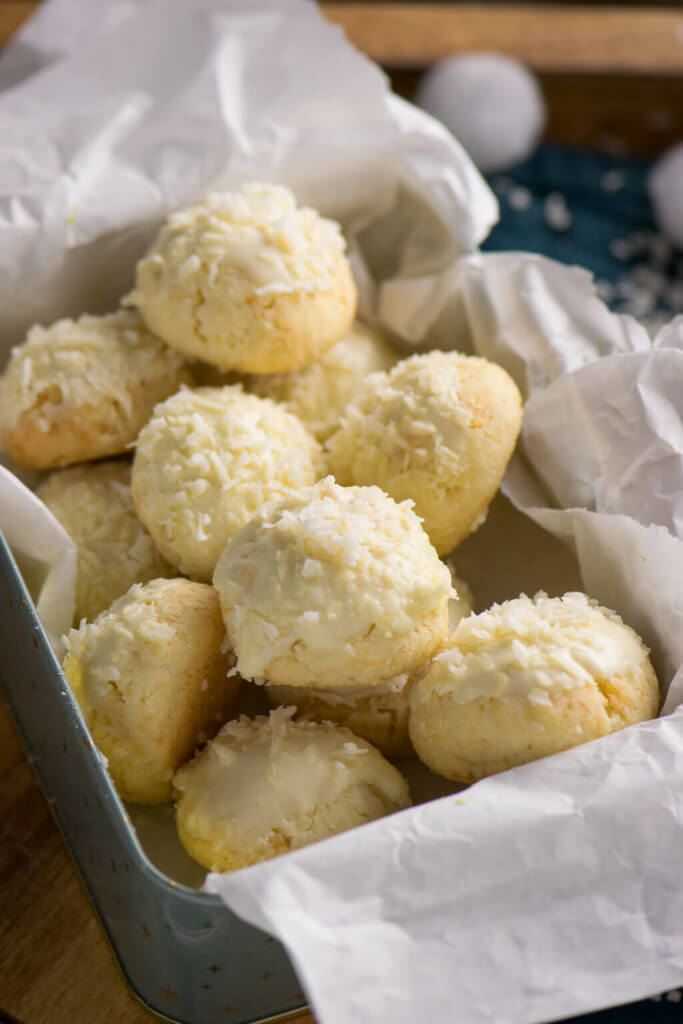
x=248 y=281
x=150 y=676
x=379 y=714
x=333 y=587
x=439 y=428
x=205 y=464
x=528 y=678
x=319 y=393
x=95 y=506
x=82 y=389
x=264 y=786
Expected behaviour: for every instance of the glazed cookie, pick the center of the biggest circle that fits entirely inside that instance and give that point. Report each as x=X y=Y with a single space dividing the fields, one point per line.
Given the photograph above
x=150 y=676
x=95 y=506
x=528 y=678
x=439 y=428
x=319 y=393
x=264 y=786
x=248 y=281
x=333 y=587
x=205 y=464
x=379 y=714
x=82 y=389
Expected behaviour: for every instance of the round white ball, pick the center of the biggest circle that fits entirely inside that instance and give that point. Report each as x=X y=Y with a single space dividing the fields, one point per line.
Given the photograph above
x=491 y=103
x=665 y=185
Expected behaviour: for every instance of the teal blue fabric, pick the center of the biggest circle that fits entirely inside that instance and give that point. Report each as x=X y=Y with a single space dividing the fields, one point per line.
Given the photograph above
x=598 y=217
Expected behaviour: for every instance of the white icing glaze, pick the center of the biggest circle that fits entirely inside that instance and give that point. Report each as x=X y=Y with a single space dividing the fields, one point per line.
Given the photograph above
x=108 y=648
x=388 y=693
x=268 y=774
x=530 y=648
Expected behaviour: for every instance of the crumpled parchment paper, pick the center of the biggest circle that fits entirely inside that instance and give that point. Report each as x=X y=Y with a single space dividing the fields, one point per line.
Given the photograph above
x=547 y=890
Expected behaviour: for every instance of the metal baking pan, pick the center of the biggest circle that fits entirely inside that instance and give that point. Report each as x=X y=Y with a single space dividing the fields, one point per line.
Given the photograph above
x=183 y=953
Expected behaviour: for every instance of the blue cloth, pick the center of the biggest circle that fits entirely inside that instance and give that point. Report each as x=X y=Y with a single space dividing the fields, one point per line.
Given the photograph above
x=611 y=217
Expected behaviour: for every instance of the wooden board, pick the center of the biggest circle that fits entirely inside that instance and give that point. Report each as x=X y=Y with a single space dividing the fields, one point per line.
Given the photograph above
x=558 y=37
x=545 y=36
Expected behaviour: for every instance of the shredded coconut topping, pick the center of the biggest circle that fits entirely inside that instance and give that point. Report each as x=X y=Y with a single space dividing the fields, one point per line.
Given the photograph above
x=75 y=363
x=242 y=449
x=258 y=231
x=377 y=571
x=530 y=647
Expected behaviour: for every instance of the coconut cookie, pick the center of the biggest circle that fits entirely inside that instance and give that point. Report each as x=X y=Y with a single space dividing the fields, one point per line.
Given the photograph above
x=82 y=389
x=248 y=281
x=319 y=393
x=94 y=504
x=528 y=678
x=264 y=786
x=333 y=587
x=205 y=464
x=379 y=714
x=438 y=428
x=150 y=676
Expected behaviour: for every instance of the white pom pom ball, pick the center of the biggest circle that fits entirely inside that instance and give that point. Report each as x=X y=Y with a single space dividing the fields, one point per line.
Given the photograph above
x=665 y=185
x=491 y=103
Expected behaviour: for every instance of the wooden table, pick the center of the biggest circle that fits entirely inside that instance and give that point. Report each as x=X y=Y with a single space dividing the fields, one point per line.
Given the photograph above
x=55 y=964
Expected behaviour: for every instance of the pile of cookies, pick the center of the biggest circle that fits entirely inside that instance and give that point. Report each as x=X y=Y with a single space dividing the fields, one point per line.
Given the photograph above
x=293 y=487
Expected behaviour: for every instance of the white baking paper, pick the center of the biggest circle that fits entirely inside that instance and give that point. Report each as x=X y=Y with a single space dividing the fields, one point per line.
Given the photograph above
x=539 y=318
x=44 y=553
x=180 y=99
x=545 y=891
x=55 y=29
